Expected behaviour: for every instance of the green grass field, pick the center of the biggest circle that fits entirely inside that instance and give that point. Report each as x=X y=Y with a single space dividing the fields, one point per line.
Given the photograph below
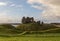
x=33 y=37
x=12 y=34
x=29 y=38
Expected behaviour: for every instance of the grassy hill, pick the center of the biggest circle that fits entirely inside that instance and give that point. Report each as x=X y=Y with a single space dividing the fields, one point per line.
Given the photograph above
x=31 y=28
x=6 y=29
x=35 y=27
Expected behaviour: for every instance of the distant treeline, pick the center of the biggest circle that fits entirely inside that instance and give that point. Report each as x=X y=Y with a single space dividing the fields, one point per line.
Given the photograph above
x=26 y=20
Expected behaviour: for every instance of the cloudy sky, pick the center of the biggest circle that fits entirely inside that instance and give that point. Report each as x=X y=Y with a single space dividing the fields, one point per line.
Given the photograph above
x=14 y=10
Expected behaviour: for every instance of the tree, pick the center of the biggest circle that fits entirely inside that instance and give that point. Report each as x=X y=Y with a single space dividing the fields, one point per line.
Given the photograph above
x=28 y=20
x=23 y=20
x=32 y=19
x=38 y=22
x=42 y=22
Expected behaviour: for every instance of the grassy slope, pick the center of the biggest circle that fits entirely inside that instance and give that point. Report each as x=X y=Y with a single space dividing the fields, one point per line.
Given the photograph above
x=32 y=26
x=10 y=30
x=29 y=38
x=7 y=29
x=40 y=28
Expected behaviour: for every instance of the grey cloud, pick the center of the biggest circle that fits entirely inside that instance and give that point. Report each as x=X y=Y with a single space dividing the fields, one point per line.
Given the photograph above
x=51 y=10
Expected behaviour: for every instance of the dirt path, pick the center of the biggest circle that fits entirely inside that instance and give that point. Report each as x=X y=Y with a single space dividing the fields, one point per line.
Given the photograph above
x=51 y=29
